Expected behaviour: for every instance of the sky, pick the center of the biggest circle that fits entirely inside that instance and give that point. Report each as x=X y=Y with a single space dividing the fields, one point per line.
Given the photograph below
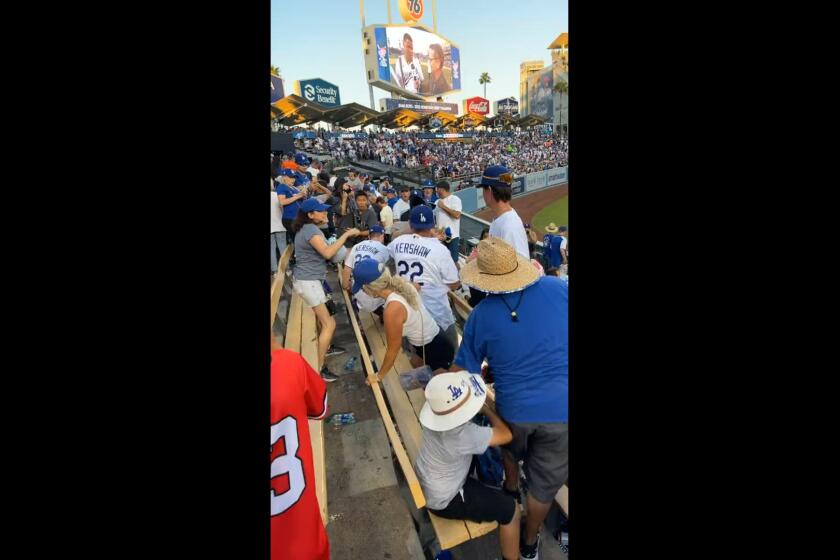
x=323 y=39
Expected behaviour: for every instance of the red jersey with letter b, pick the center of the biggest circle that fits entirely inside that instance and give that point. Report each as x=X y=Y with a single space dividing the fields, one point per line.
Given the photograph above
x=297 y=394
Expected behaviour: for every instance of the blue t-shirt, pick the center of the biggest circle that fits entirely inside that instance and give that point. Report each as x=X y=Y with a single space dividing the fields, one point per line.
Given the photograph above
x=392 y=201
x=551 y=249
x=529 y=359
x=290 y=211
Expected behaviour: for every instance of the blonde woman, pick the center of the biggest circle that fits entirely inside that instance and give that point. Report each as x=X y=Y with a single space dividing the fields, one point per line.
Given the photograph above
x=404 y=315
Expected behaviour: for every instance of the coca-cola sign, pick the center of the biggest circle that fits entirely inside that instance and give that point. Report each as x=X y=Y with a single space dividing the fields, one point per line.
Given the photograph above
x=477 y=105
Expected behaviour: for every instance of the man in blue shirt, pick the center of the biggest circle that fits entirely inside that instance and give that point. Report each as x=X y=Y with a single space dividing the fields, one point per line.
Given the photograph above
x=429 y=196
x=554 y=246
x=391 y=194
x=521 y=329
x=289 y=197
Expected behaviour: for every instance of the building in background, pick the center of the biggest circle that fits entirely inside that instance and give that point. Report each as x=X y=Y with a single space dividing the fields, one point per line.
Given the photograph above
x=560 y=69
x=526 y=69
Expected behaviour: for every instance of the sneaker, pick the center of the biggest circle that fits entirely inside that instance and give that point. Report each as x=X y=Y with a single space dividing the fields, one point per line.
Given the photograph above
x=530 y=552
x=562 y=539
x=327 y=375
x=334 y=350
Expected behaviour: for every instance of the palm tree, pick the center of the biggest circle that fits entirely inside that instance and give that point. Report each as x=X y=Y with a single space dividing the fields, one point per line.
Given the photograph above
x=484 y=80
x=275 y=70
x=561 y=87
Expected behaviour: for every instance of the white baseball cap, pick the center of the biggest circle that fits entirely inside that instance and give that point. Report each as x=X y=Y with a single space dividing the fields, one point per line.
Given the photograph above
x=452 y=399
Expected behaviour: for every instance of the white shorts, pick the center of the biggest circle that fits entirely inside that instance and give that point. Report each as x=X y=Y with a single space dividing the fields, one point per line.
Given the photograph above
x=312 y=292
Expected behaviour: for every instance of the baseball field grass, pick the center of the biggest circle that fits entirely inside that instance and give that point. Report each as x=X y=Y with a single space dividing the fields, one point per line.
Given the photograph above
x=557 y=212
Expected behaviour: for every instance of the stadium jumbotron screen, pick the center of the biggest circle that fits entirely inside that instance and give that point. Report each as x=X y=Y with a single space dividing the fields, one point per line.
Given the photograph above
x=411 y=60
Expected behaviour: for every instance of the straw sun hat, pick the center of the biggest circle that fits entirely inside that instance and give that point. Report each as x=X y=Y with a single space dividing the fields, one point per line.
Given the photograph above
x=551 y=228
x=499 y=269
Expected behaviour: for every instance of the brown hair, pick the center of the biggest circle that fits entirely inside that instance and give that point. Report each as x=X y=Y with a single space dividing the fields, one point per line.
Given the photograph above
x=301 y=220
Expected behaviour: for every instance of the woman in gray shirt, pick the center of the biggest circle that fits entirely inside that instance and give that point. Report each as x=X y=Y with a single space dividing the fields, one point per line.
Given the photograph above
x=310 y=270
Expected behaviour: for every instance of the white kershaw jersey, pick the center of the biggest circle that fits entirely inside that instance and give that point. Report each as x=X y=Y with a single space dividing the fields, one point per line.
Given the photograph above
x=429 y=263
x=367 y=249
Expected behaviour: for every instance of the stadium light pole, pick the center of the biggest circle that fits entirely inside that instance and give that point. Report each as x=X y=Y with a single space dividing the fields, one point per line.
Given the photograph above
x=434 y=15
x=362 y=14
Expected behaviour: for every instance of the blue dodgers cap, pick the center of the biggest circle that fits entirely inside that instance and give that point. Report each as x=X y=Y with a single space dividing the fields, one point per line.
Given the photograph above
x=428 y=183
x=377 y=229
x=312 y=205
x=422 y=217
x=285 y=172
x=301 y=159
x=365 y=272
x=497 y=176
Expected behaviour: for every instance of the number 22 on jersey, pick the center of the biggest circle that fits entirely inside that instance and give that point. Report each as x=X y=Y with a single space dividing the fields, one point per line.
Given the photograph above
x=403 y=268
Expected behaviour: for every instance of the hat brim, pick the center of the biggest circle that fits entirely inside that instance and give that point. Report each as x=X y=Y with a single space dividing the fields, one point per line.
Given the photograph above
x=319 y=208
x=442 y=423
x=523 y=276
x=493 y=183
x=550 y=230
x=421 y=225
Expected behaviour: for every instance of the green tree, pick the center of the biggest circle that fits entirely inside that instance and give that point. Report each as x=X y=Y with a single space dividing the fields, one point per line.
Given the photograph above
x=275 y=70
x=484 y=80
x=561 y=87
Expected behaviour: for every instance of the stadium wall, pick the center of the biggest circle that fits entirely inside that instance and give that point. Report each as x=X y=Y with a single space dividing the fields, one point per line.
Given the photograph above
x=473 y=201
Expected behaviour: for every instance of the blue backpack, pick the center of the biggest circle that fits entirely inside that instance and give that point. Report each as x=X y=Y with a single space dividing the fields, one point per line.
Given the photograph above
x=488 y=466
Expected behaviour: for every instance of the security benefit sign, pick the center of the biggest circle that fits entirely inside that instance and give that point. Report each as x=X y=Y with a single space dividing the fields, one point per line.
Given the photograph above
x=319 y=91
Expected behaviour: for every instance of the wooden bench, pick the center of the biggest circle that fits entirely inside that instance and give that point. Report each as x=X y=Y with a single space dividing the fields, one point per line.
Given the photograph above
x=277 y=285
x=302 y=337
x=406 y=406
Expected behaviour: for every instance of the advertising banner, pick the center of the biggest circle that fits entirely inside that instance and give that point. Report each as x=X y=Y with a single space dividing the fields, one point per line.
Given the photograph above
x=418 y=62
x=419 y=106
x=411 y=10
x=303 y=134
x=535 y=180
x=319 y=91
x=555 y=176
x=477 y=105
x=508 y=106
x=350 y=135
x=518 y=186
x=276 y=88
x=382 y=54
x=444 y=135
x=541 y=94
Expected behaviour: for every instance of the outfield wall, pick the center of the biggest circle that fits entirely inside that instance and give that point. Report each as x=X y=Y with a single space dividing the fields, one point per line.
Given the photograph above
x=472 y=200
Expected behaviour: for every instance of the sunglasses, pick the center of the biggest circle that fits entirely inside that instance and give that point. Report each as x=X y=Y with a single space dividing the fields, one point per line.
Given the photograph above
x=504 y=178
